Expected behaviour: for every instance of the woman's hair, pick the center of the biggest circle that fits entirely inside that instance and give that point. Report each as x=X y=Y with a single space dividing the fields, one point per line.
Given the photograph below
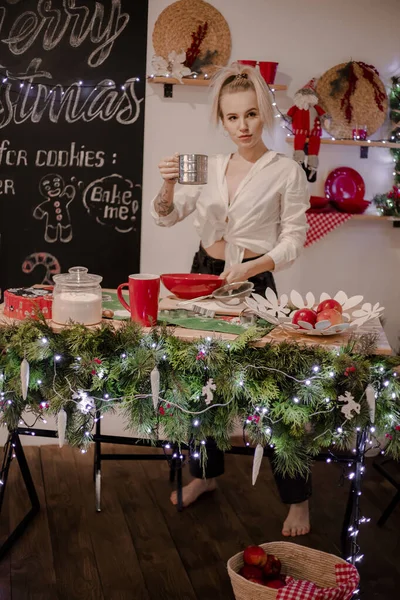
x=240 y=78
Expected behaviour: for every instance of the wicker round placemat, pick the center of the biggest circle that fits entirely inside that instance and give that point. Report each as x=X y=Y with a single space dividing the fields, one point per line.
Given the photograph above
x=364 y=106
x=175 y=25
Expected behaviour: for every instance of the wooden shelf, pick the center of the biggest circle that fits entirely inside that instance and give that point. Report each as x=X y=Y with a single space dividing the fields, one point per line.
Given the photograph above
x=363 y=144
x=168 y=82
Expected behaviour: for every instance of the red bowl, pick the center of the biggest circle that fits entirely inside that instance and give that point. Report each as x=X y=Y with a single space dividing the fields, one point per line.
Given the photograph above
x=191 y=285
x=318 y=201
x=351 y=205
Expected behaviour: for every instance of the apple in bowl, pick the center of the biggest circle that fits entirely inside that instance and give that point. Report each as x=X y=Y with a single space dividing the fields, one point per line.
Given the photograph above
x=328 y=304
x=330 y=314
x=304 y=315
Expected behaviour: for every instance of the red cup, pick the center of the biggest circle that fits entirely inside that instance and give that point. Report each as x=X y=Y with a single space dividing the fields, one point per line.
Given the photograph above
x=268 y=71
x=250 y=63
x=144 y=291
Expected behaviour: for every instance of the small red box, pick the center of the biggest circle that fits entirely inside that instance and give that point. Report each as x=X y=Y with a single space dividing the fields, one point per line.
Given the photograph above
x=23 y=303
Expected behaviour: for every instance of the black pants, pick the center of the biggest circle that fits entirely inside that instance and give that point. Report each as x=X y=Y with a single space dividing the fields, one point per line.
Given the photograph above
x=291 y=490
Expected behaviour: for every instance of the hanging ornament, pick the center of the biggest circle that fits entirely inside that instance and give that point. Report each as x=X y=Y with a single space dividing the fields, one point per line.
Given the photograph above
x=258 y=455
x=371 y=401
x=349 y=406
x=24 y=378
x=208 y=390
x=61 y=426
x=155 y=386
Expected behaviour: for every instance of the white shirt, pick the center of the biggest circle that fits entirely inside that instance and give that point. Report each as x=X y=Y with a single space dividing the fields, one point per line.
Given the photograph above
x=266 y=215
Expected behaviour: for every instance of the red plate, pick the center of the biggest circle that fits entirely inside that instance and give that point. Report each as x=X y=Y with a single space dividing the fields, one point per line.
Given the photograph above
x=344 y=183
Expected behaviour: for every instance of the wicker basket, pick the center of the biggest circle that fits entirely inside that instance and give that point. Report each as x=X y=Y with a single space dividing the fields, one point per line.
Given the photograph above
x=365 y=110
x=175 y=25
x=298 y=561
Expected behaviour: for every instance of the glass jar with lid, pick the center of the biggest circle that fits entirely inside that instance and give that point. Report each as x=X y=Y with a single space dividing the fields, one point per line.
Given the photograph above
x=77 y=297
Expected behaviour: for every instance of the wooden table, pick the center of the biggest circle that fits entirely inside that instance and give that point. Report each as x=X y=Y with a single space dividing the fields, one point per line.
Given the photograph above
x=277 y=335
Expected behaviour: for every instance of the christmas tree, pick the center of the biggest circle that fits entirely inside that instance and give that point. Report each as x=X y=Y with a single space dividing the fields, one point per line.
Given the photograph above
x=389 y=203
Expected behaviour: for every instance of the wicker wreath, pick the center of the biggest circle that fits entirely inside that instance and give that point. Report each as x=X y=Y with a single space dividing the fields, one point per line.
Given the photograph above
x=179 y=21
x=353 y=94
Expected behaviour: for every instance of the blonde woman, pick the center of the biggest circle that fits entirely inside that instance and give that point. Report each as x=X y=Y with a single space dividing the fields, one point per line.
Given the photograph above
x=251 y=221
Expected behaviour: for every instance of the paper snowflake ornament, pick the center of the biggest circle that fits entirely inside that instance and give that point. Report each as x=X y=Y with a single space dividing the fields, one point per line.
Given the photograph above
x=208 y=390
x=280 y=312
x=86 y=403
x=350 y=406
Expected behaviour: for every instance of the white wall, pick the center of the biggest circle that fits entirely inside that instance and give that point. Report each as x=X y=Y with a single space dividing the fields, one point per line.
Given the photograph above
x=307 y=38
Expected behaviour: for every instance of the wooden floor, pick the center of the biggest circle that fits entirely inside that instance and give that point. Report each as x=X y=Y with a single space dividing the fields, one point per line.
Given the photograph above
x=140 y=548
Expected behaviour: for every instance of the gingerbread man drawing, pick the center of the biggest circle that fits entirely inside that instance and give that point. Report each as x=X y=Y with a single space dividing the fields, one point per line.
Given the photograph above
x=55 y=208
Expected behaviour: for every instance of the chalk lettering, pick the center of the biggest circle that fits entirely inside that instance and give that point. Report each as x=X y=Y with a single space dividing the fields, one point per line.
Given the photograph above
x=74 y=104
x=7 y=187
x=73 y=157
x=111 y=201
x=12 y=158
x=81 y=22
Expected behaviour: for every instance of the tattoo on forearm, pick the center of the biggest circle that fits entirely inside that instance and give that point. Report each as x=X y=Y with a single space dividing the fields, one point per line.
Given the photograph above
x=162 y=206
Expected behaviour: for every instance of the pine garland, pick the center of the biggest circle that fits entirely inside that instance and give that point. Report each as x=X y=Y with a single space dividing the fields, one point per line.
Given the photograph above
x=284 y=395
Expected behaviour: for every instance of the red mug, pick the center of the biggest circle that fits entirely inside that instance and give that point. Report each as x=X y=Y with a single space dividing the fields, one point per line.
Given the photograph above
x=144 y=290
x=251 y=63
x=268 y=71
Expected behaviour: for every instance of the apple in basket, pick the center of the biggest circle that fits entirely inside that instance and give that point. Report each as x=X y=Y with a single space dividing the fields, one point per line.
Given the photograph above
x=255 y=580
x=330 y=314
x=251 y=572
x=272 y=567
x=254 y=555
x=329 y=303
x=304 y=314
x=275 y=584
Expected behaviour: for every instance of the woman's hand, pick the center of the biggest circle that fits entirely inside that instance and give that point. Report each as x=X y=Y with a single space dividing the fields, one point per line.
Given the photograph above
x=169 y=169
x=239 y=272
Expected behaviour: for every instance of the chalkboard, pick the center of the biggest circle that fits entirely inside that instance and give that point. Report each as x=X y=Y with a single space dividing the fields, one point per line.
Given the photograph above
x=72 y=84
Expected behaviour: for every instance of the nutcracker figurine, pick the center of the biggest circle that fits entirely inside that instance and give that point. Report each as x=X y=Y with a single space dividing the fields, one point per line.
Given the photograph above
x=305 y=117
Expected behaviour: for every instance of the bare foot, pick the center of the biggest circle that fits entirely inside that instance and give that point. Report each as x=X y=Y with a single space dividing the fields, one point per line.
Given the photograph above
x=298 y=520
x=193 y=490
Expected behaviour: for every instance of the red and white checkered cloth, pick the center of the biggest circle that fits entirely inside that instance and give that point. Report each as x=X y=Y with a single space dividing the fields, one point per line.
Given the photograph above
x=347 y=579
x=322 y=223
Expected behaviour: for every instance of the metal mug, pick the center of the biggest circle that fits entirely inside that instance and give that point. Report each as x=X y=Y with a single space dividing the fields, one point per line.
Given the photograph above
x=193 y=169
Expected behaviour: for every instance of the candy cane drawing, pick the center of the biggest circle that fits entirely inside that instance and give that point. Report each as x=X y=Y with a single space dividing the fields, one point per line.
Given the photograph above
x=42 y=259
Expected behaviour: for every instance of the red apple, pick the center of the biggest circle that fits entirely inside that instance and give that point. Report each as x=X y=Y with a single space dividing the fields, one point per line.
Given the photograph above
x=330 y=314
x=272 y=567
x=330 y=303
x=305 y=314
x=254 y=555
x=275 y=584
x=255 y=580
x=250 y=572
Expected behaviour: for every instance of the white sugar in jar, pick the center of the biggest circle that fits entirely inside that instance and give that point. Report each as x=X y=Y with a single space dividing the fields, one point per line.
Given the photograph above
x=80 y=307
x=77 y=298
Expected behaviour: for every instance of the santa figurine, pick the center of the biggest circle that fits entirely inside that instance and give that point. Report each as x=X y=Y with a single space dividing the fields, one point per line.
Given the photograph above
x=305 y=117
